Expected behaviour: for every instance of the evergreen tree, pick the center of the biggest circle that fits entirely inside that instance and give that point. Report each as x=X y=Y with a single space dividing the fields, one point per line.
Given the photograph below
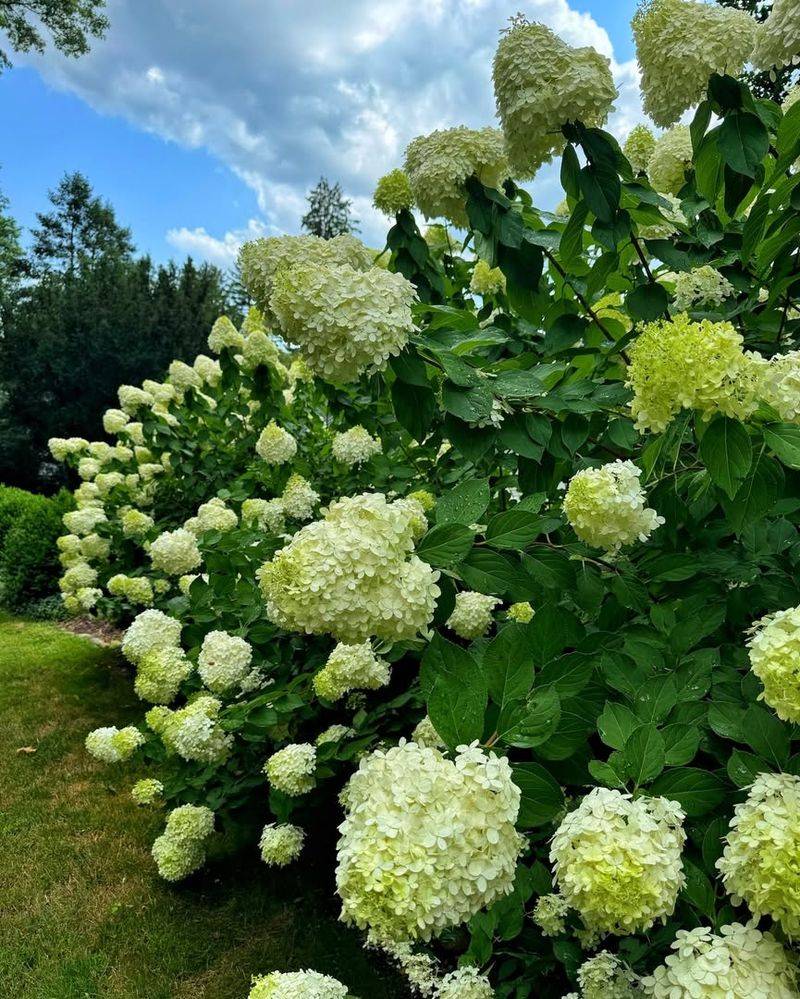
x=70 y=22
x=12 y=264
x=328 y=212
x=774 y=84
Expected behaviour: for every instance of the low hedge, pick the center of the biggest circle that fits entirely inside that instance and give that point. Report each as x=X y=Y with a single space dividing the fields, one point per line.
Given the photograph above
x=29 y=526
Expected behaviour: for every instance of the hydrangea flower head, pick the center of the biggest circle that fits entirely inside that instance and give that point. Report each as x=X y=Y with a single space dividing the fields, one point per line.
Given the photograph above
x=297 y=985
x=759 y=862
x=350 y=667
x=778 y=38
x=266 y=515
x=355 y=446
x=291 y=769
x=147 y=791
x=638 y=148
x=606 y=977
x=135 y=524
x=472 y=614
x=486 y=280
x=180 y=849
x=216 y=516
x=393 y=193
x=540 y=84
x=427 y=842
x=617 y=861
x=701 y=286
x=193 y=732
x=224 y=661
x=779 y=383
x=438 y=166
x=135 y=589
x=160 y=673
x=670 y=159
x=275 y=445
x=550 y=913
x=281 y=844
x=152 y=629
x=224 y=334
x=521 y=612
x=775 y=660
x=114 y=745
x=425 y=734
x=175 y=552
x=298 y=498
x=679 y=45
x=465 y=983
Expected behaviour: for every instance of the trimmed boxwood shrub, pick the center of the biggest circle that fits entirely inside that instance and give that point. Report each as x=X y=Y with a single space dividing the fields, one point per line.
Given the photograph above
x=29 y=526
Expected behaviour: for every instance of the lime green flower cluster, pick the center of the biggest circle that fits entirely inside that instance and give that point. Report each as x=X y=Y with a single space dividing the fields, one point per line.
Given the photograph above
x=152 y=629
x=62 y=448
x=550 y=913
x=740 y=961
x=639 y=147
x=465 y=983
x=759 y=863
x=224 y=335
x=175 y=552
x=486 y=280
x=281 y=844
x=352 y=574
x=606 y=506
x=355 y=446
x=224 y=662
x=112 y=744
x=134 y=589
x=298 y=498
x=160 y=673
x=775 y=660
x=425 y=499
x=606 y=977
x=457 y=814
x=114 y=420
x=779 y=383
x=472 y=614
x=425 y=734
x=297 y=985
x=266 y=515
x=351 y=667
x=276 y=446
x=679 y=364
x=193 y=732
x=438 y=166
x=215 y=515
x=135 y=523
x=701 y=286
x=439 y=240
x=540 y=84
x=291 y=769
x=617 y=861
x=521 y=612
x=778 y=38
x=334 y=733
x=147 y=791
x=181 y=849
x=182 y=376
x=670 y=159
x=679 y=45
x=393 y=193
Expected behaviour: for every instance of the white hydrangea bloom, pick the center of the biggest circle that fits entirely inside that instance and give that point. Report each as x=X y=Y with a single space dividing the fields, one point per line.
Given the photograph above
x=355 y=446
x=759 y=863
x=472 y=614
x=182 y=376
x=541 y=83
x=486 y=280
x=427 y=842
x=298 y=498
x=77 y=576
x=152 y=629
x=84 y=598
x=465 y=983
x=175 y=552
x=701 y=286
x=208 y=369
x=671 y=158
x=260 y=349
x=778 y=38
x=281 y=844
x=393 y=193
x=351 y=667
x=639 y=148
x=193 y=732
x=114 y=420
x=95 y=548
x=147 y=791
x=135 y=589
x=606 y=506
x=438 y=166
x=334 y=733
x=425 y=734
x=85 y=520
x=89 y=468
x=775 y=659
x=550 y=914
x=131 y=398
x=739 y=962
x=617 y=861
x=297 y=985
x=216 y=516
x=521 y=612
x=224 y=661
x=275 y=445
x=606 y=977
x=160 y=673
x=266 y=515
x=779 y=384
x=679 y=45
x=114 y=745
x=353 y=574
x=291 y=770
x=224 y=334
x=180 y=849
x=62 y=448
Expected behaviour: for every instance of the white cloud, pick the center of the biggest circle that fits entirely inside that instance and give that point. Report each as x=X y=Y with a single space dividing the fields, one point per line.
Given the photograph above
x=286 y=92
x=223 y=252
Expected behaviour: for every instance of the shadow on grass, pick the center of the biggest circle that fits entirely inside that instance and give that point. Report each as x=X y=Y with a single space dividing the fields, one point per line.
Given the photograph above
x=82 y=913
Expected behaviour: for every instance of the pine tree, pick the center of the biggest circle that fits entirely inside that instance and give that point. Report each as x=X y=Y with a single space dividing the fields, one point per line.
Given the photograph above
x=328 y=212
x=775 y=84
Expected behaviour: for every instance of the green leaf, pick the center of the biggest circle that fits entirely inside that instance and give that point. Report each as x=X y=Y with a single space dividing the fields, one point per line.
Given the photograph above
x=616 y=723
x=550 y=568
x=767 y=735
x=508 y=665
x=444 y=659
x=470 y=405
x=414 y=407
x=513 y=529
x=644 y=754
x=551 y=631
x=743 y=768
x=570 y=172
x=647 y=302
x=445 y=544
x=696 y=791
x=743 y=141
x=698 y=890
x=756 y=495
x=601 y=189
x=464 y=504
x=727 y=453
x=542 y=798
x=491 y=572
x=456 y=707
x=681 y=743
x=571 y=245
x=784 y=439
x=527 y=724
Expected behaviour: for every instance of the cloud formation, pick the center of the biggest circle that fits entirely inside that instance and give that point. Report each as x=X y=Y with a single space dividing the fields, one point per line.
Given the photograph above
x=284 y=92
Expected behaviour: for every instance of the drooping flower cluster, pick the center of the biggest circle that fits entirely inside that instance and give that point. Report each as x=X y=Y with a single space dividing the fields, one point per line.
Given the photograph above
x=701 y=286
x=276 y=446
x=112 y=744
x=297 y=985
x=775 y=660
x=778 y=38
x=759 y=863
x=291 y=769
x=606 y=506
x=617 y=861
x=393 y=193
x=465 y=983
x=147 y=791
x=639 y=148
x=426 y=842
x=740 y=961
x=353 y=574
x=175 y=552
x=486 y=280
x=550 y=913
x=605 y=976
x=680 y=364
x=438 y=166
x=670 y=159
x=181 y=849
x=679 y=44
x=193 y=732
x=355 y=446
x=281 y=844
x=540 y=84
x=472 y=614
x=351 y=667
x=779 y=384
x=224 y=661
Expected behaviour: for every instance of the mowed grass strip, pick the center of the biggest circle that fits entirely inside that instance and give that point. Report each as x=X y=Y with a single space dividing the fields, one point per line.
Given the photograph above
x=82 y=912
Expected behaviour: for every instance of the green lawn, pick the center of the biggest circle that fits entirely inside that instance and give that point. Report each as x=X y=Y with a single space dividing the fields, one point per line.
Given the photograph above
x=82 y=913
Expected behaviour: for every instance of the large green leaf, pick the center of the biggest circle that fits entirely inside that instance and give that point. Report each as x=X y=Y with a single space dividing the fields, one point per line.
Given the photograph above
x=644 y=754
x=464 y=503
x=696 y=791
x=445 y=544
x=527 y=724
x=743 y=141
x=784 y=439
x=513 y=529
x=508 y=665
x=542 y=798
x=727 y=453
x=414 y=407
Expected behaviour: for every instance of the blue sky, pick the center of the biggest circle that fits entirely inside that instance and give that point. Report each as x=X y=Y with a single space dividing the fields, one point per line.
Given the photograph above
x=204 y=123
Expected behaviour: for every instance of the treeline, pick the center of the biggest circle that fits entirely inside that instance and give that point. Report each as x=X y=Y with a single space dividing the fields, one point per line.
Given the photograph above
x=80 y=314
